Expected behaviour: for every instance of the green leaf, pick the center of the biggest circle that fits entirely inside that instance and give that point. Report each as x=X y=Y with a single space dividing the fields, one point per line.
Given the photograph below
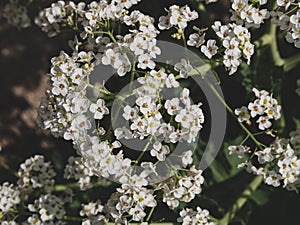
x=297 y=122
x=219 y=172
x=260 y=197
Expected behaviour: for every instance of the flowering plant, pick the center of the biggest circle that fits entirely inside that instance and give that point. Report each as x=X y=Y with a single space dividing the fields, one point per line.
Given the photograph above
x=147 y=117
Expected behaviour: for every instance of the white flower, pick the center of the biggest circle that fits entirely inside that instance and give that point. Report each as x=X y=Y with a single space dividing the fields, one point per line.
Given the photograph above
x=239 y=150
x=81 y=122
x=152 y=125
x=238 y=5
x=210 y=49
x=159 y=75
x=295 y=19
x=263 y=2
x=242 y=113
x=77 y=75
x=264 y=155
x=177 y=16
x=138 y=46
x=184 y=68
x=185 y=96
x=159 y=151
x=289 y=178
x=99 y=109
x=187 y=158
x=137 y=213
x=232 y=62
x=172 y=106
x=92 y=17
x=146 y=105
x=164 y=23
x=122 y=65
x=284 y=22
x=109 y=57
x=190 y=134
x=263 y=123
x=196 y=40
x=273 y=179
x=60 y=87
x=171 y=82
x=285 y=3
x=284 y=165
x=139 y=124
x=130 y=113
x=255 y=108
x=177 y=19
x=144 y=61
x=184 y=117
x=92 y=208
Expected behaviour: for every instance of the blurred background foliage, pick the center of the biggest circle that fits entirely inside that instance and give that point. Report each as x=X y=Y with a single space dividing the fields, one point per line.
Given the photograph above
x=25 y=59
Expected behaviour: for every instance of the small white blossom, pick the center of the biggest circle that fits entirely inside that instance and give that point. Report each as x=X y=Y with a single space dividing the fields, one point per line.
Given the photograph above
x=210 y=49
x=242 y=113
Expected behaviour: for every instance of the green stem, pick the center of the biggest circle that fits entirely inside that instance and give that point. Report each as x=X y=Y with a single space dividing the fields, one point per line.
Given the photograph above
x=150 y=214
x=291 y=62
x=274 y=48
x=201 y=70
x=132 y=77
x=71 y=218
x=103 y=91
x=6 y=167
x=270 y=39
x=144 y=150
x=232 y=113
x=111 y=36
x=240 y=202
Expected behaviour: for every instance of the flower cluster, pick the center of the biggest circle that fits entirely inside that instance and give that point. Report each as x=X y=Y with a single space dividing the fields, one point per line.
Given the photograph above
x=264 y=106
x=246 y=13
x=50 y=18
x=130 y=200
x=47 y=209
x=177 y=17
x=33 y=194
x=93 y=212
x=236 y=41
x=281 y=161
x=9 y=197
x=16 y=14
x=62 y=110
x=183 y=189
x=101 y=160
x=146 y=118
x=287 y=20
x=75 y=169
x=36 y=173
x=67 y=110
x=141 y=42
x=156 y=110
x=190 y=217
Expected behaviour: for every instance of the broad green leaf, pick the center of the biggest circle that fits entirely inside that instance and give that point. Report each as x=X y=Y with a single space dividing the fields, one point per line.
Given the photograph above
x=260 y=197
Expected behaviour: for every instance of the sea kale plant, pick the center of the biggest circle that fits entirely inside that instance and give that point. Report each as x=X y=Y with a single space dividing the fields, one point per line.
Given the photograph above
x=140 y=97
